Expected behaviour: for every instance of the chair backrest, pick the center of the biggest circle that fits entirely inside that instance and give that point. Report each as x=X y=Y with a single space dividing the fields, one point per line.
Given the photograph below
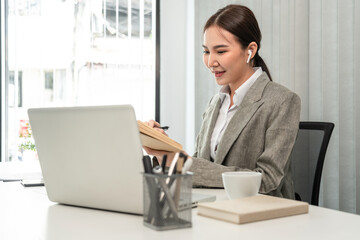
x=307 y=159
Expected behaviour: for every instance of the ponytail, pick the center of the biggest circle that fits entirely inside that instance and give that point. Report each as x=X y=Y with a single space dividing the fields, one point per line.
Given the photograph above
x=259 y=62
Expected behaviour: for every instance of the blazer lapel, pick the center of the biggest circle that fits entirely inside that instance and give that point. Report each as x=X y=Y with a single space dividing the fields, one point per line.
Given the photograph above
x=250 y=104
x=210 y=124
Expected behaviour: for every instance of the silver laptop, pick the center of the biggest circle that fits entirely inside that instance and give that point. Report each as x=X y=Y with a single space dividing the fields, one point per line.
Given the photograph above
x=90 y=156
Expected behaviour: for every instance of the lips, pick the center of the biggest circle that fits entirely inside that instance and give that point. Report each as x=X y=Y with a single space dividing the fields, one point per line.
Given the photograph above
x=218 y=73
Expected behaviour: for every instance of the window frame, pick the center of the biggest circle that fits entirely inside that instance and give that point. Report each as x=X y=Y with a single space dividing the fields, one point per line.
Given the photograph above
x=4 y=74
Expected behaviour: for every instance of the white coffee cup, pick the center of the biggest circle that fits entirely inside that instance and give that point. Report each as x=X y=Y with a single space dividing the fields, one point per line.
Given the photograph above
x=241 y=184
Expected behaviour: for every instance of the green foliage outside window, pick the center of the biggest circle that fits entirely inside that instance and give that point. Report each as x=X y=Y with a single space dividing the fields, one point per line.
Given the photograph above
x=27 y=141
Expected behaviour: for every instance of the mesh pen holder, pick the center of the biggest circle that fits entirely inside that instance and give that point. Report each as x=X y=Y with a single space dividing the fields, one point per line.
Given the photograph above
x=167 y=201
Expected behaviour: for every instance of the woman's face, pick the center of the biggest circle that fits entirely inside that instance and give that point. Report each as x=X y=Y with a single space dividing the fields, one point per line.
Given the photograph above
x=225 y=57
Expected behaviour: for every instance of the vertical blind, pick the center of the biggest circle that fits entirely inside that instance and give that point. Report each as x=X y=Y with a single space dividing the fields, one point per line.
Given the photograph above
x=313 y=48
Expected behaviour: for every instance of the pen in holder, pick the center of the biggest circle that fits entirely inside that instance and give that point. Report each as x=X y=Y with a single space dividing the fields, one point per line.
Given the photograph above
x=167 y=201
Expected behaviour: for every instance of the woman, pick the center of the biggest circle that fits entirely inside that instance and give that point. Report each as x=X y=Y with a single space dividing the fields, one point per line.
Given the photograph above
x=252 y=123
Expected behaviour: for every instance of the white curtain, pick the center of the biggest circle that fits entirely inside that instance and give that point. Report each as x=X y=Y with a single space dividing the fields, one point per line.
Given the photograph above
x=313 y=48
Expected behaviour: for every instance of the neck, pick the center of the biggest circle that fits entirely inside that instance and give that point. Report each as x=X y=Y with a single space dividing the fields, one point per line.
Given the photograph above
x=242 y=79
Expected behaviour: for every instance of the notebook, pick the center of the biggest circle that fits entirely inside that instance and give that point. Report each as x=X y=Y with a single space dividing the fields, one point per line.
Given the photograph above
x=156 y=140
x=91 y=156
x=251 y=209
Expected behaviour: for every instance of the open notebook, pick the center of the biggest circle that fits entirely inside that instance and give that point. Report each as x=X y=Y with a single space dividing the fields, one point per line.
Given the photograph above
x=154 y=139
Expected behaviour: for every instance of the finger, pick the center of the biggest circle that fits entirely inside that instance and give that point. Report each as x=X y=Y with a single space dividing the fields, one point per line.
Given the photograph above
x=151 y=123
x=161 y=130
x=154 y=123
x=155 y=152
x=148 y=150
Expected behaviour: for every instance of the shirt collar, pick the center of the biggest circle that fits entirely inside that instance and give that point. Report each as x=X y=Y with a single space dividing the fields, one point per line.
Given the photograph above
x=242 y=90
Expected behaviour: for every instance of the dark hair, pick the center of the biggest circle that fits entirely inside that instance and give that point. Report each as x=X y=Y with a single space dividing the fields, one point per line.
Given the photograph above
x=241 y=22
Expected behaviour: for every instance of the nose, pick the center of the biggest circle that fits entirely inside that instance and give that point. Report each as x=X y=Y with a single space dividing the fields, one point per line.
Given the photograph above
x=212 y=61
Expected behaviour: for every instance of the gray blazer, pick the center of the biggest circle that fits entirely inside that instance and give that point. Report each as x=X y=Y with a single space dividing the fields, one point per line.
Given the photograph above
x=259 y=137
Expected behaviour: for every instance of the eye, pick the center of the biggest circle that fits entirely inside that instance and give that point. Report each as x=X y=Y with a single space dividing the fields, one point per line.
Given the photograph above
x=221 y=52
x=206 y=52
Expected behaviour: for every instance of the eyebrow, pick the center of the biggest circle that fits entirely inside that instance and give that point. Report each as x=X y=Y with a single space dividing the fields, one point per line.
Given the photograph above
x=217 y=46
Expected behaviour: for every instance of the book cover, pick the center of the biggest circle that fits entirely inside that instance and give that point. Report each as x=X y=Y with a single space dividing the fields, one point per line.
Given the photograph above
x=154 y=139
x=251 y=209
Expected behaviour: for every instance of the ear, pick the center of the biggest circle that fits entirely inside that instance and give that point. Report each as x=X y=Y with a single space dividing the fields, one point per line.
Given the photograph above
x=253 y=47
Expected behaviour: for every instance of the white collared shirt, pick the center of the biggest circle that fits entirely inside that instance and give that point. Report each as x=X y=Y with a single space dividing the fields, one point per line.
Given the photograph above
x=225 y=114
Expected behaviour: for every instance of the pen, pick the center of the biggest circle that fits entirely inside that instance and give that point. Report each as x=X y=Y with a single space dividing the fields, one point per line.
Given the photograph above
x=155 y=161
x=164 y=128
x=147 y=164
x=154 y=210
x=179 y=165
x=163 y=163
x=170 y=172
x=175 y=188
x=172 y=166
x=166 y=192
x=187 y=165
x=176 y=195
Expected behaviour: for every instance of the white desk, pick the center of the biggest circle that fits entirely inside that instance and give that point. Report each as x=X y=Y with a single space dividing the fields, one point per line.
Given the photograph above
x=26 y=213
x=19 y=170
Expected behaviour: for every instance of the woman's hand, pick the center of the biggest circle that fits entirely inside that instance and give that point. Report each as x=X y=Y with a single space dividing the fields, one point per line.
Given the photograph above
x=158 y=153
x=156 y=125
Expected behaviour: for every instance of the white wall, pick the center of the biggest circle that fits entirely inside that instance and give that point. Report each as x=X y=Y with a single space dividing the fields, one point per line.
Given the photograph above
x=177 y=71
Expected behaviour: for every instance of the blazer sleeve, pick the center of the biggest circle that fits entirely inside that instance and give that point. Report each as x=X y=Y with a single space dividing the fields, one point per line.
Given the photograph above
x=273 y=163
x=208 y=174
x=280 y=137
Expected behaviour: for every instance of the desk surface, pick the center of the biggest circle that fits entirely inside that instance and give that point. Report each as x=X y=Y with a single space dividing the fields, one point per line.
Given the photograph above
x=26 y=213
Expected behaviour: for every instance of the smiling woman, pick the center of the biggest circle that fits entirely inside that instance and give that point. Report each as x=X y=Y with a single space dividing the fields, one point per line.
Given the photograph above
x=226 y=58
x=252 y=123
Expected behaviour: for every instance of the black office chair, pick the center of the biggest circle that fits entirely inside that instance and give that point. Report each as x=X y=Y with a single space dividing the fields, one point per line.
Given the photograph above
x=307 y=159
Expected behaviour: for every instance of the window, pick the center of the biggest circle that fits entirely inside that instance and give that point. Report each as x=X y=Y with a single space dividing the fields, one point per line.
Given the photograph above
x=49 y=80
x=73 y=53
x=11 y=88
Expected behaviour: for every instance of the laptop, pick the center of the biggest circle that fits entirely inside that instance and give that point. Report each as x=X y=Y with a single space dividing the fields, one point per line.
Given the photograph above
x=91 y=156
